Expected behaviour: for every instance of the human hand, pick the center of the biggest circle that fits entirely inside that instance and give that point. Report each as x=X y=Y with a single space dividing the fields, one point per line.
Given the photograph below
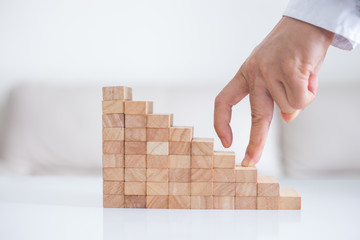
x=283 y=68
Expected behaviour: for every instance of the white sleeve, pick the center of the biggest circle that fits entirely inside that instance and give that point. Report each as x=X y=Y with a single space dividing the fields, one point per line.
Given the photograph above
x=339 y=16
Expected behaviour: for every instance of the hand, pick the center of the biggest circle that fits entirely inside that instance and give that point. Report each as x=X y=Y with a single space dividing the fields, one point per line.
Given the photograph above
x=283 y=68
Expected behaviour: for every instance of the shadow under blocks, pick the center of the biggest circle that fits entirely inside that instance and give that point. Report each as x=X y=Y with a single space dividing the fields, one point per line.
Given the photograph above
x=149 y=163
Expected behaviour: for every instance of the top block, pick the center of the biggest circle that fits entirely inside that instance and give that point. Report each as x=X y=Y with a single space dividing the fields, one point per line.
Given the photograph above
x=202 y=146
x=181 y=134
x=138 y=107
x=224 y=159
x=159 y=120
x=117 y=93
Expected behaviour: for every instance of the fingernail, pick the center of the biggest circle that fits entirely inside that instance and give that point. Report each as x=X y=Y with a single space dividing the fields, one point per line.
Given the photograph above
x=246 y=161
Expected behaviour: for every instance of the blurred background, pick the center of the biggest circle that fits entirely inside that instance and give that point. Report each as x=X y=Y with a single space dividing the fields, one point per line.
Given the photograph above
x=56 y=55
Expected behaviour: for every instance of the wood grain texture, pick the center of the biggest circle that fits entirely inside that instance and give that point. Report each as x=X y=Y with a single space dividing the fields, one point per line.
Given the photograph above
x=289 y=199
x=135 y=161
x=245 y=203
x=115 y=120
x=201 y=175
x=113 y=201
x=135 y=134
x=138 y=107
x=135 y=148
x=113 y=160
x=179 y=175
x=201 y=202
x=181 y=134
x=179 y=202
x=113 y=174
x=113 y=147
x=157 y=201
x=135 y=175
x=246 y=189
x=224 y=202
x=113 y=106
x=224 y=175
x=135 y=121
x=201 y=188
x=113 y=187
x=224 y=189
x=179 y=161
x=246 y=174
x=157 y=175
x=176 y=188
x=116 y=134
x=202 y=146
x=224 y=159
x=135 y=201
x=135 y=188
x=157 y=134
x=157 y=188
x=268 y=203
x=117 y=93
x=159 y=120
x=157 y=161
x=179 y=148
x=158 y=148
x=268 y=186
x=201 y=161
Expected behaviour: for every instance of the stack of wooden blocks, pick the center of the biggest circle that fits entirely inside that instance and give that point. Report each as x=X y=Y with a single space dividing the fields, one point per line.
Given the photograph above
x=149 y=163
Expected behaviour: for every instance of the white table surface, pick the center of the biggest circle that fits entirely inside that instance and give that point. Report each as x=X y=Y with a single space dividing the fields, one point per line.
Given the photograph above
x=71 y=208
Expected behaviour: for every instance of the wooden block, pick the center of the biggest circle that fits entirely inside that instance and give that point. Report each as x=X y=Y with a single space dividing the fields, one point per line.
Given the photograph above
x=201 y=175
x=138 y=107
x=179 y=161
x=135 y=188
x=268 y=186
x=201 y=202
x=157 y=201
x=135 y=134
x=179 y=148
x=224 y=202
x=224 y=175
x=246 y=174
x=113 y=187
x=246 y=189
x=135 y=148
x=157 y=175
x=157 y=161
x=179 y=202
x=113 y=201
x=289 y=199
x=181 y=134
x=113 y=147
x=135 y=121
x=157 y=188
x=117 y=93
x=158 y=148
x=115 y=120
x=135 y=161
x=201 y=161
x=135 y=175
x=245 y=203
x=113 y=160
x=113 y=174
x=176 y=188
x=202 y=189
x=116 y=134
x=224 y=159
x=202 y=146
x=113 y=106
x=224 y=189
x=268 y=203
x=134 y=201
x=159 y=120
x=157 y=134
x=179 y=175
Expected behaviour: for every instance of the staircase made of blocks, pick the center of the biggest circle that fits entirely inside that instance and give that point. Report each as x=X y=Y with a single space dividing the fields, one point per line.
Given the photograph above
x=149 y=163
